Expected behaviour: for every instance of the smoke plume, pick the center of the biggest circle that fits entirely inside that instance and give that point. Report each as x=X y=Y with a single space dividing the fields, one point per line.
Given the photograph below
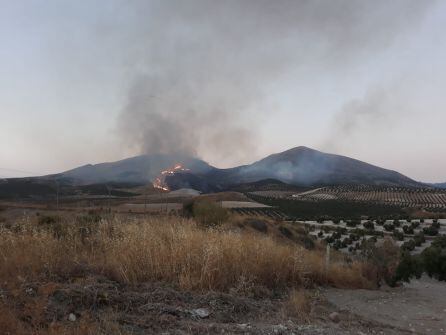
x=202 y=70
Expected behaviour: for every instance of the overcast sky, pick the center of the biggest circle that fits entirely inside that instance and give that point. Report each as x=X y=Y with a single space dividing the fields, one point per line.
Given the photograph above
x=229 y=81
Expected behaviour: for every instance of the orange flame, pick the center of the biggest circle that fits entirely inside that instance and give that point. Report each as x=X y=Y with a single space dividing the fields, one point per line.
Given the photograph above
x=160 y=181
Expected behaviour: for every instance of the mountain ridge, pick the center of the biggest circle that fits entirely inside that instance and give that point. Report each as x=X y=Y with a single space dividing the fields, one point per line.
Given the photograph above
x=301 y=166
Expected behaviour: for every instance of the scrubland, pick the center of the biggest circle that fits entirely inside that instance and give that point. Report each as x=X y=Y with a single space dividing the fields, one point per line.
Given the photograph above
x=41 y=256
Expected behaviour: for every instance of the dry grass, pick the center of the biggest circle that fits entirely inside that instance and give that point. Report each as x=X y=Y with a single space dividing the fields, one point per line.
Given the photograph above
x=169 y=250
x=299 y=305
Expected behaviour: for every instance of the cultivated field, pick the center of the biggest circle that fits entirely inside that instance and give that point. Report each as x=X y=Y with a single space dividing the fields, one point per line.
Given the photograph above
x=428 y=199
x=349 y=236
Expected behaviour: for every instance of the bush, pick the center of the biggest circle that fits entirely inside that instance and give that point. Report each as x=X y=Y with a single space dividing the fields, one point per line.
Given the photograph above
x=353 y=223
x=336 y=235
x=419 y=239
x=380 y=222
x=408 y=230
x=414 y=224
x=409 y=267
x=409 y=245
x=389 y=227
x=338 y=244
x=397 y=235
x=430 y=231
x=354 y=237
x=209 y=213
x=369 y=225
x=384 y=258
x=440 y=242
x=434 y=259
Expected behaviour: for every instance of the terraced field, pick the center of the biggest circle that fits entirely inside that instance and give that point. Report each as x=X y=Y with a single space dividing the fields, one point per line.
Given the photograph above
x=429 y=199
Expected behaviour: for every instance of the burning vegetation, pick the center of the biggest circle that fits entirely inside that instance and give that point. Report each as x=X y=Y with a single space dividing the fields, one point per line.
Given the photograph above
x=160 y=181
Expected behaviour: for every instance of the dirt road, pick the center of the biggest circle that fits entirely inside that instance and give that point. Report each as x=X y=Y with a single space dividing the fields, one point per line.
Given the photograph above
x=418 y=307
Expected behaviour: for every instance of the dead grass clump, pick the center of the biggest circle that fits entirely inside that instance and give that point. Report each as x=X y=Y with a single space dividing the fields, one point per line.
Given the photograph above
x=299 y=305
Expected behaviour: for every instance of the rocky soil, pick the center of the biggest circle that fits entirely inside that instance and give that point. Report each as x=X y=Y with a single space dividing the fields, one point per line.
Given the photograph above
x=160 y=309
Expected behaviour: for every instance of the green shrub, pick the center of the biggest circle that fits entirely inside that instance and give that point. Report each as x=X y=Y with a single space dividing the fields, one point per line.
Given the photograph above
x=419 y=239
x=409 y=267
x=389 y=227
x=369 y=225
x=409 y=245
x=397 y=235
x=434 y=261
x=430 y=231
x=353 y=223
x=408 y=230
x=414 y=224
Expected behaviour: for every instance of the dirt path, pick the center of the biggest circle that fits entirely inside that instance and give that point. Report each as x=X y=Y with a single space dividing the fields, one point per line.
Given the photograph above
x=418 y=307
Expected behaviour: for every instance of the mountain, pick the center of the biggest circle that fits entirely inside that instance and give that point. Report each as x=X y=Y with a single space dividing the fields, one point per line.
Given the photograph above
x=302 y=166
x=439 y=185
x=297 y=167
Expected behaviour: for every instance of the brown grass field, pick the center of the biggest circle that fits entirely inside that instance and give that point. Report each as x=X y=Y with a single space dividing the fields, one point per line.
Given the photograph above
x=39 y=257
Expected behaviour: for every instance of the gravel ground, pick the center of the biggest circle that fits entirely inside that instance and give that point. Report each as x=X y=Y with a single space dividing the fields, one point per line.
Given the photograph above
x=418 y=307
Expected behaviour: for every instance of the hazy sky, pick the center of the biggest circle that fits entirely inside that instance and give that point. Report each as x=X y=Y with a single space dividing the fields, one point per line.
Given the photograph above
x=230 y=81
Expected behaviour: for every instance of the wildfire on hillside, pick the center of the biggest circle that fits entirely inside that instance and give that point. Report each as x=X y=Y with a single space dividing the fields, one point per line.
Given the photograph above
x=160 y=181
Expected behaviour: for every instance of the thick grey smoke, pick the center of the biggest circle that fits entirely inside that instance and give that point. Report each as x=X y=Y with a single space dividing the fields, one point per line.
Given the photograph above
x=203 y=69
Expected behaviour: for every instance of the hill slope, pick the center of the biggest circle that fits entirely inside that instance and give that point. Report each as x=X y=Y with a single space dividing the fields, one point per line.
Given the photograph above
x=303 y=166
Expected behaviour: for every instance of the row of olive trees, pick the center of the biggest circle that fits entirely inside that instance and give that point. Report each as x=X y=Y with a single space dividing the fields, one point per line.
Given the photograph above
x=431 y=261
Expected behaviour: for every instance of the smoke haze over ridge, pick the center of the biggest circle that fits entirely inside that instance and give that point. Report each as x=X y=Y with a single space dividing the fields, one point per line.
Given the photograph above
x=208 y=65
